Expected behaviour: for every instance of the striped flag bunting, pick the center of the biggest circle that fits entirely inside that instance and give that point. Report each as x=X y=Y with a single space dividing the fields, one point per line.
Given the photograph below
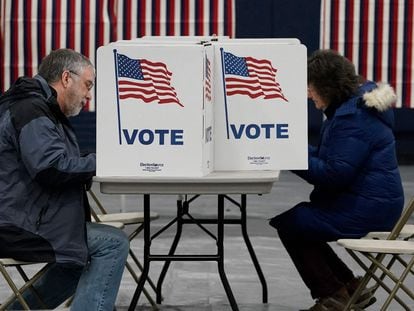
x=30 y=29
x=249 y=76
x=377 y=36
x=145 y=80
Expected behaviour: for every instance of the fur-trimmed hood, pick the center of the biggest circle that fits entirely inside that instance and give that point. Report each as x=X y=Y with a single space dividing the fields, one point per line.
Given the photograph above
x=380 y=98
x=376 y=99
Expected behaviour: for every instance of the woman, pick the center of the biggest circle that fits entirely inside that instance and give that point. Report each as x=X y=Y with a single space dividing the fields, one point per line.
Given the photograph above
x=354 y=170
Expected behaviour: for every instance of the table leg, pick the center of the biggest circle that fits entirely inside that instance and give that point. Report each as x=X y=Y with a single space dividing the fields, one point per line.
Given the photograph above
x=250 y=248
x=147 y=245
x=220 y=252
x=174 y=245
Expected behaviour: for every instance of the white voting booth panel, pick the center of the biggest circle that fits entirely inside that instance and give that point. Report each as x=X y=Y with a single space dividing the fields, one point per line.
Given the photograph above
x=260 y=105
x=154 y=116
x=260 y=41
x=216 y=121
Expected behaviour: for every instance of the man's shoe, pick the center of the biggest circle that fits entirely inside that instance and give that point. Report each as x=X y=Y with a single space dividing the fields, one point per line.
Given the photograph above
x=366 y=298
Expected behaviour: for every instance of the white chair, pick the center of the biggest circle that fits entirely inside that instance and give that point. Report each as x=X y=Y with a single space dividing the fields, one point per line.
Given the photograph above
x=375 y=251
x=100 y=214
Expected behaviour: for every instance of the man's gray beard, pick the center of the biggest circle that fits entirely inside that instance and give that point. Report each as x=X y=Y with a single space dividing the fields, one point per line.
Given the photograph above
x=74 y=111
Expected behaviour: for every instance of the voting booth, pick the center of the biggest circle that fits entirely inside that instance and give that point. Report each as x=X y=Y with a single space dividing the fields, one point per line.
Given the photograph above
x=153 y=117
x=186 y=107
x=260 y=100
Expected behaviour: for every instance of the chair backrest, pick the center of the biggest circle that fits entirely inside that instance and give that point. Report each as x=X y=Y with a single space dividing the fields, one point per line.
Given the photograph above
x=98 y=204
x=406 y=214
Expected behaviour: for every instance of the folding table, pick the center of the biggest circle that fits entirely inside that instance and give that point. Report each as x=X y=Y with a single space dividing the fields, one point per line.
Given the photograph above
x=222 y=184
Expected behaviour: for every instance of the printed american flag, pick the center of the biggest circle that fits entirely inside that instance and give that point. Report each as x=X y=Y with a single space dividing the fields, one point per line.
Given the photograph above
x=207 y=80
x=145 y=80
x=30 y=29
x=377 y=36
x=252 y=77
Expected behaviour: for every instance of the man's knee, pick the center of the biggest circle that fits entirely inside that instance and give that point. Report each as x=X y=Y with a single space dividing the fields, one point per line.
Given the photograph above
x=102 y=236
x=122 y=242
x=119 y=238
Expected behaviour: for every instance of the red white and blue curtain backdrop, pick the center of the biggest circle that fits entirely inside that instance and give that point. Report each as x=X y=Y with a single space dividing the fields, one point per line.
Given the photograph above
x=377 y=36
x=30 y=29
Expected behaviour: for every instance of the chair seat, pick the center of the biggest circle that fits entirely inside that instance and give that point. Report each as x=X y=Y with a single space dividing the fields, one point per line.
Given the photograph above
x=378 y=246
x=126 y=218
x=406 y=232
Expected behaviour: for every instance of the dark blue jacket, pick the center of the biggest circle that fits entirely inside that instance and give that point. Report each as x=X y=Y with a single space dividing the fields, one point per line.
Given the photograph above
x=354 y=170
x=42 y=178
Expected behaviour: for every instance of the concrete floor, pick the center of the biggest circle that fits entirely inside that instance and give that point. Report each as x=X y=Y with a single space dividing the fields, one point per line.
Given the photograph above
x=196 y=286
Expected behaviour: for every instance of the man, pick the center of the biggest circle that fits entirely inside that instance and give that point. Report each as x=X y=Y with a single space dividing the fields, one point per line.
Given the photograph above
x=43 y=203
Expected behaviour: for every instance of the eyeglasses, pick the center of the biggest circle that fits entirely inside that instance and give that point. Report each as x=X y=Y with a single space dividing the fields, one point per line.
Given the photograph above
x=88 y=83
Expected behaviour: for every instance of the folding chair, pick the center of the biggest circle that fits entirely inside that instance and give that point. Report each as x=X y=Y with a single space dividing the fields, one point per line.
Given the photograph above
x=5 y=264
x=375 y=251
x=128 y=219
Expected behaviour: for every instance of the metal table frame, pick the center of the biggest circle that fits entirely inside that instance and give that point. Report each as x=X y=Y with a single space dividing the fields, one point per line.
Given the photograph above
x=221 y=184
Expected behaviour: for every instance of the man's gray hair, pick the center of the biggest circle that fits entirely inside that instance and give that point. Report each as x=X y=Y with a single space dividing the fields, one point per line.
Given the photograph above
x=54 y=64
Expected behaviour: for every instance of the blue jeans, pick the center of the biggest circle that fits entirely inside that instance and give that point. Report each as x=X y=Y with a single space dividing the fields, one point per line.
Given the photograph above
x=94 y=286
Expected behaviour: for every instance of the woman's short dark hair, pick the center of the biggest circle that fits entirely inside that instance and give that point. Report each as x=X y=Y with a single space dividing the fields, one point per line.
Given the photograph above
x=332 y=75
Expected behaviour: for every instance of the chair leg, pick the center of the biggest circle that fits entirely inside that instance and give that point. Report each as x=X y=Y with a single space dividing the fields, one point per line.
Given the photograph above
x=32 y=289
x=133 y=235
x=370 y=274
x=17 y=292
x=139 y=265
x=398 y=285
x=136 y=279
x=389 y=265
x=403 y=262
x=392 y=276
